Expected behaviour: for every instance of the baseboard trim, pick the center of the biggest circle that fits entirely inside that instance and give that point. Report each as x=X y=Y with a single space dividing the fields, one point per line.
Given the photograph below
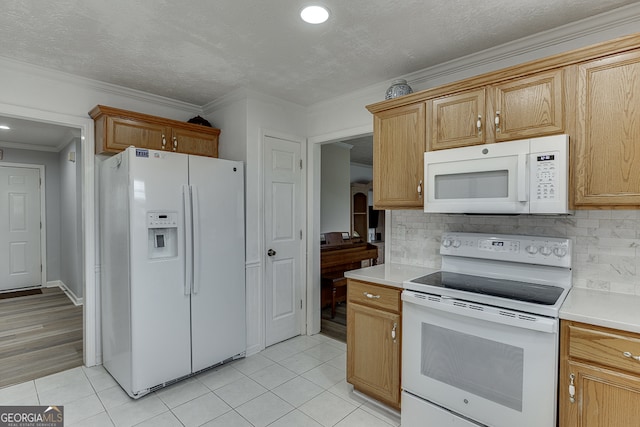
x=68 y=292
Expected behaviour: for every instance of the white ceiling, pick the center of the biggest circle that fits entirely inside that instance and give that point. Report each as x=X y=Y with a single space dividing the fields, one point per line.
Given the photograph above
x=200 y=50
x=31 y=135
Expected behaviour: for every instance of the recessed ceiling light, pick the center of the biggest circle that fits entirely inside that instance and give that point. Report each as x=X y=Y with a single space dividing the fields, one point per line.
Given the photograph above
x=4 y=127
x=314 y=14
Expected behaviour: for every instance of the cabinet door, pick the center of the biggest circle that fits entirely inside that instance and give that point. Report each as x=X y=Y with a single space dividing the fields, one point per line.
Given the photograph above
x=122 y=133
x=191 y=142
x=457 y=120
x=607 y=144
x=373 y=354
x=528 y=107
x=398 y=157
x=604 y=398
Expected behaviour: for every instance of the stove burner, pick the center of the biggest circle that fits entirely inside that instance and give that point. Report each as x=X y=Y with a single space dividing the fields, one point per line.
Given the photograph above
x=510 y=289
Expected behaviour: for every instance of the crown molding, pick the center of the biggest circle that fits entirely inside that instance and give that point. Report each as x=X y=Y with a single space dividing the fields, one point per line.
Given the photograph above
x=107 y=88
x=243 y=94
x=342 y=145
x=556 y=37
x=225 y=100
x=30 y=147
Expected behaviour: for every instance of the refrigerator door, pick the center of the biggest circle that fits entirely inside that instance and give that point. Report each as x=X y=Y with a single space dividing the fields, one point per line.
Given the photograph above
x=218 y=296
x=160 y=312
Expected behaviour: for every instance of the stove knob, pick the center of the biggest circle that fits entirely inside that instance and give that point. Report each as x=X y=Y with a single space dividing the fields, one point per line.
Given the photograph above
x=545 y=250
x=446 y=243
x=560 y=251
x=531 y=250
x=456 y=243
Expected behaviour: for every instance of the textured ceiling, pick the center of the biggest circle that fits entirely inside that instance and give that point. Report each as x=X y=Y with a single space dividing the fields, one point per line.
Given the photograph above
x=361 y=150
x=197 y=51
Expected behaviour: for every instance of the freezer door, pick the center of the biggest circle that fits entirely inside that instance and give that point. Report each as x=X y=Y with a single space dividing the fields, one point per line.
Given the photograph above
x=218 y=296
x=160 y=312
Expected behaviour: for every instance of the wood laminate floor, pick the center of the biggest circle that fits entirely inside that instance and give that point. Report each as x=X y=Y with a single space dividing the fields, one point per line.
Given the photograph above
x=335 y=328
x=39 y=335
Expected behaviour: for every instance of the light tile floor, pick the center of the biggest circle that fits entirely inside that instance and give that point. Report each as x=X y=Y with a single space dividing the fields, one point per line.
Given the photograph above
x=297 y=383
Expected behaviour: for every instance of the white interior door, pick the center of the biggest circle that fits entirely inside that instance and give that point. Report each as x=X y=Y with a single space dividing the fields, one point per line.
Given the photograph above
x=284 y=207
x=20 y=233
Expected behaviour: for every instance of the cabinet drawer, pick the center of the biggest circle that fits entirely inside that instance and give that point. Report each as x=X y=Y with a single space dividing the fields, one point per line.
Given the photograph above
x=374 y=295
x=604 y=346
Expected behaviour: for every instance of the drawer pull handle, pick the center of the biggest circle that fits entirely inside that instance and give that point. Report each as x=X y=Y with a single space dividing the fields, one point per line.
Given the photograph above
x=371 y=296
x=572 y=389
x=631 y=356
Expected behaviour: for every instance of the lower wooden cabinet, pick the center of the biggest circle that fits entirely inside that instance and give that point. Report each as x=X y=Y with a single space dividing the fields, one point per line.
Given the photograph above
x=374 y=322
x=599 y=377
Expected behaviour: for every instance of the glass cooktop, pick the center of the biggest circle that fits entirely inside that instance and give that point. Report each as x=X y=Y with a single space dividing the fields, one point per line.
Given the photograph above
x=510 y=289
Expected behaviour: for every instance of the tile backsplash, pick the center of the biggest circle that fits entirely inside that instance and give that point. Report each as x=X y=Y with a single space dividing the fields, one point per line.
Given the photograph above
x=606 y=253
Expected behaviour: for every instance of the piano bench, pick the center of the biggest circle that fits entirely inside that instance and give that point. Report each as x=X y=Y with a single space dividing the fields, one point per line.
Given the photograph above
x=333 y=290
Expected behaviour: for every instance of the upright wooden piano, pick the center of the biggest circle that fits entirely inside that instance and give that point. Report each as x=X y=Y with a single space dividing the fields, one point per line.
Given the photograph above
x=336 y=257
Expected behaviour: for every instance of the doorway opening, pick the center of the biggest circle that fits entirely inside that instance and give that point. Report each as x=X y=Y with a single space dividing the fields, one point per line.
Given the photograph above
x=351 y=233
x=56 y=143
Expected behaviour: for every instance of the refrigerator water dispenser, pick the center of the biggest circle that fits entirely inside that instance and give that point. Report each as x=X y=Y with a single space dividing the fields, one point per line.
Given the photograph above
x=163 y=234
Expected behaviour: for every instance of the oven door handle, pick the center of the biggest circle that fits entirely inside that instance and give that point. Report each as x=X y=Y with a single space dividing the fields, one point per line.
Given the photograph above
x=481 y=312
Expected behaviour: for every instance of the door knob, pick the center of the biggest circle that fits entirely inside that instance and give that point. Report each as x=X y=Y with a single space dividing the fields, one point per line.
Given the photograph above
x=271 y=252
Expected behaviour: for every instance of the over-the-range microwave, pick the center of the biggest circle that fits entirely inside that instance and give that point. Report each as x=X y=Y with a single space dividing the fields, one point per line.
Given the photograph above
x=528 y=176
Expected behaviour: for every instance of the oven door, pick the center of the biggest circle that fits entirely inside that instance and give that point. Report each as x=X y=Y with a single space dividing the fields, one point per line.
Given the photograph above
x=496 y=367
x=491 y=178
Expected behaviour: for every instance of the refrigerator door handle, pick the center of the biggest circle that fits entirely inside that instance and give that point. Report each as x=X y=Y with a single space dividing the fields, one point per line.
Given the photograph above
x=195 y=214
x=188 y=239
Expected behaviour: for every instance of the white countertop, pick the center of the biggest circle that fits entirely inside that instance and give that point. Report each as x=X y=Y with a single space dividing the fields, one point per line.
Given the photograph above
x=390 y=274
x=611 y=310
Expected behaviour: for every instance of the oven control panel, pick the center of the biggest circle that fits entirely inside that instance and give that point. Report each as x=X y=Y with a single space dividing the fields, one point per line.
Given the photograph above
x=528 y=249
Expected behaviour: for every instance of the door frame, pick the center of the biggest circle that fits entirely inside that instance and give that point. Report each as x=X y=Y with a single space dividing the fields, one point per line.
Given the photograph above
x=303 y=328
x=91 y=271
x=43 y=216
x=313 y=218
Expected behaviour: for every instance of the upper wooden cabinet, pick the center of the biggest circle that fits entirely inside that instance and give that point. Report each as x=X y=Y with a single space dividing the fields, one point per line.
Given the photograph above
x=528 y=107
x=456 y=120
x=398 y=157
x=606 y=160
x=520 y=108
x=118 y=129
x=592 y=94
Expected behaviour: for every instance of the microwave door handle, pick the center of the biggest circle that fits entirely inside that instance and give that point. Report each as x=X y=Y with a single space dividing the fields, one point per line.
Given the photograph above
x=522 y=178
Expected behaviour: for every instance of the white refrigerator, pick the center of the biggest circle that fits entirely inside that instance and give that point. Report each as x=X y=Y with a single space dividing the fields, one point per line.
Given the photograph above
x=172 y=268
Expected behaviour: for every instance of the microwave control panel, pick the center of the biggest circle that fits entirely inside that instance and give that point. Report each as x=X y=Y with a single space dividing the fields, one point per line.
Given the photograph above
x=546 y=175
